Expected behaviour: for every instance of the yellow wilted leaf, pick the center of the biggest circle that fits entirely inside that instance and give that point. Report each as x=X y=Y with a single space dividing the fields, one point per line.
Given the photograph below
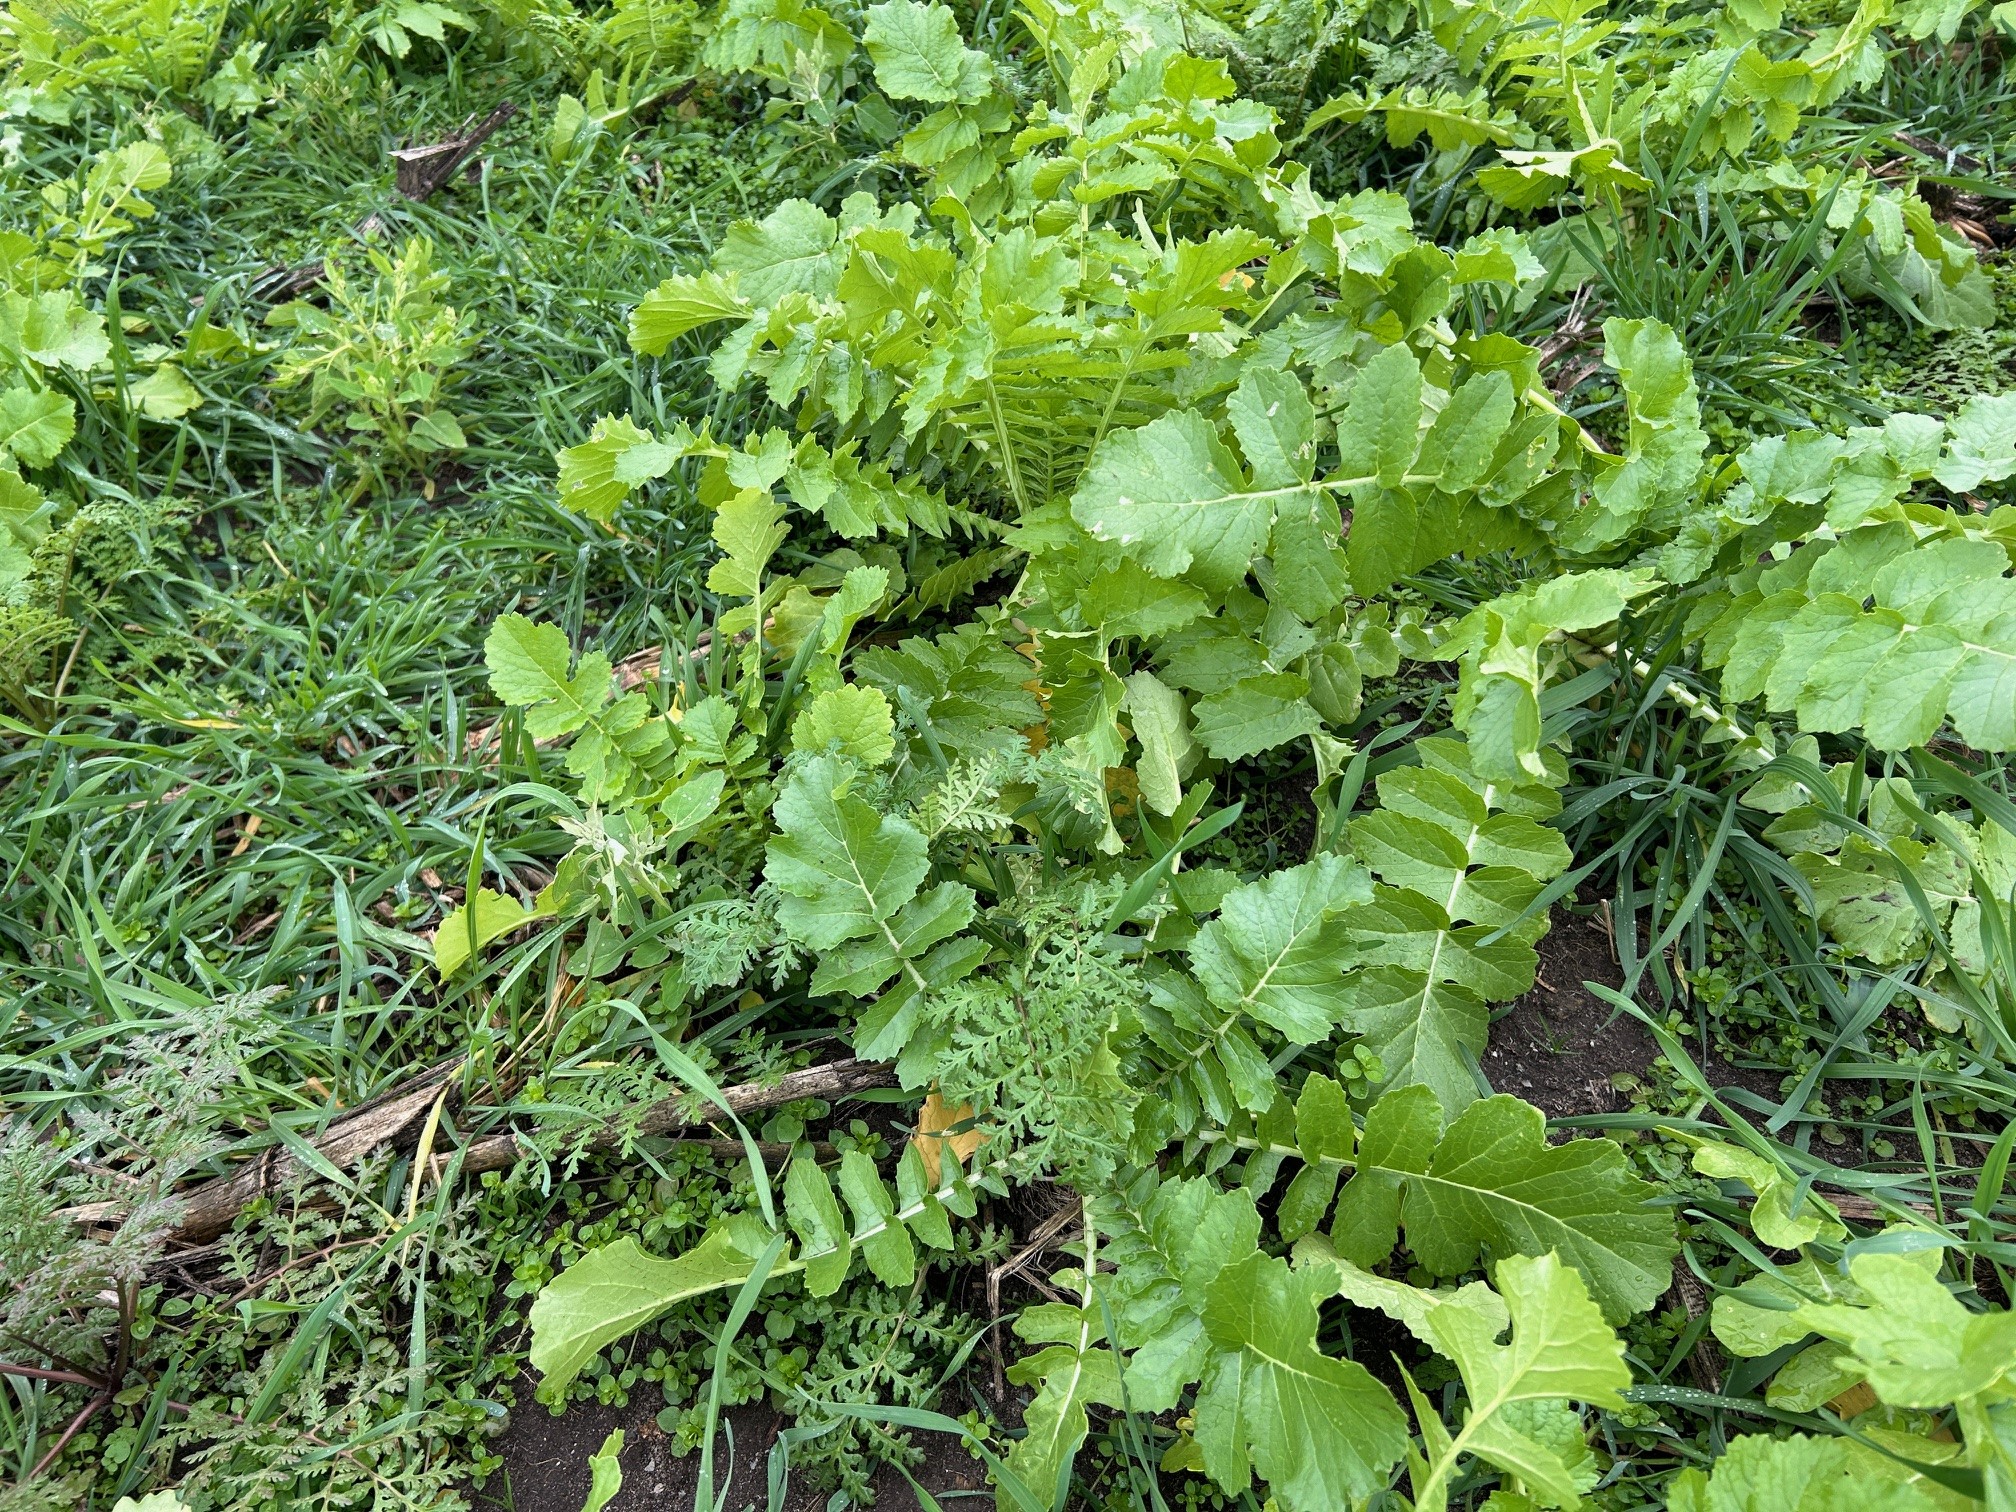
x=935 y=1116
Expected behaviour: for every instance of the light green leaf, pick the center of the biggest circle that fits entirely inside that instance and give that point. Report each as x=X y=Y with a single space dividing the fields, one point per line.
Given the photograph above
x=887 y=1249
x=34 y=427
x=1561 y=1350
x=856 y=717
x=1326 y=1138
x=1128 y=600
x=1409 y=1306
x=1076 y=1370
x=1380 y=431
x=437 y=431
x=1279 y=947
x=1813 y=1377
x=919 y=54
x=1758 y=1473
x=1420 y=1024
x=1276 y=426
x=683 y=303
x=1163 y=730
x=24 y=524
x=1917 y=1345
x=1762 y=1315
x=792 y=250
x=1256 y=714
x=53 y=330
x=844 y=870
x=824 y=1244
x=1185 y=1234
x=1981 y=443
x=496 y=915
x=1499 y=645
x=687 y=806
x=1463 y=442
x=1772 y=1218
x=749 y=528
x=528 y=670
x=164 y=394
x=615 y=1290
x=1492 y=1180
x=153 y=1501
x=599 y=474
x=1170 y=494
x=605 y=1472
x=1322 y=1432
x=1664 y=449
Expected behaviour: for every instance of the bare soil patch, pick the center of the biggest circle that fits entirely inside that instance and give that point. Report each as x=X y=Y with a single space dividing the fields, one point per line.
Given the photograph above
x=546 y=1464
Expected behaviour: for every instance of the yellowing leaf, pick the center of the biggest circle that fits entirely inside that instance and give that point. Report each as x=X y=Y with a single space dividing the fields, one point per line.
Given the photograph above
x=494 y=915
x=930 y=1140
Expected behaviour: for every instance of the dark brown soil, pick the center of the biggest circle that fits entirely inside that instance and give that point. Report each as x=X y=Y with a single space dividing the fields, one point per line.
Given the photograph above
x=1568 y=1052
x=546 y=1464
x=1561 y=1045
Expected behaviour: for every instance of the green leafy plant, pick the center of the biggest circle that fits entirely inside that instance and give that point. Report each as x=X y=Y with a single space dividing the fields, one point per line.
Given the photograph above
x=380 y=359
x=57 y=51
x=64 y=554
x=1176 y=651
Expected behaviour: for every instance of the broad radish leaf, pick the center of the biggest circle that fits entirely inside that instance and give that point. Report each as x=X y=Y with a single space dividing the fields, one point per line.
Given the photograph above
x=683 y=303
x=1935 y=643
x=1560 y=1351
x=824 y=1244
x=1256 y=714
x=1171 y=495
x=1499 y=645
x=1409 y=1306
x=612 y=1291
x=1278 y=948
x=884 y=1243
x=1381 y=429
x=844 y=870
x=495 y=916
x=605 y=1472
x=1663 y=454
x=1917 y=1346
x=918 y=54
x=52 y=330
x=34 y=427
x=529 y=669
x=1491 y=1181
x=1167 y=750
x=1327 y=1139
x=856 y=718
x=1321 y=1431
x=792 y=250
x=1773 y=1219
x=599 y=474
x=1075 y=1371
x=1169 y=1242
x=1758 y=1473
